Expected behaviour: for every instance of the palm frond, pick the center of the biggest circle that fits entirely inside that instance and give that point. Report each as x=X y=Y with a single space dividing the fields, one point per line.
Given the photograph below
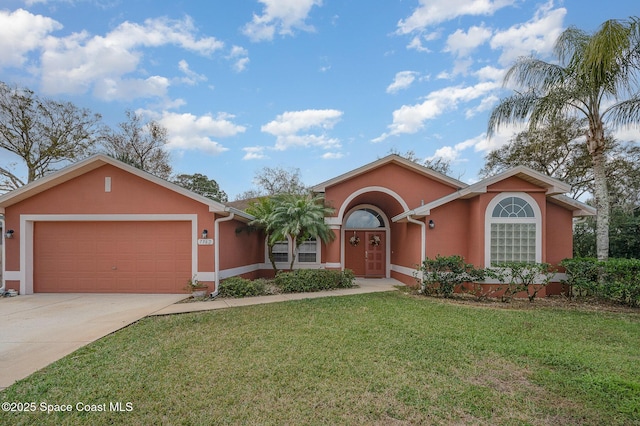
x=570 y=45
x=625 y=113
x=513 y=109
x=535 y=74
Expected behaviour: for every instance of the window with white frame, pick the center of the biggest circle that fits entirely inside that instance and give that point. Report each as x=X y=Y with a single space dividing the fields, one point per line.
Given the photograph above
x=514 y=232
x=307 y=252
x=281 y=251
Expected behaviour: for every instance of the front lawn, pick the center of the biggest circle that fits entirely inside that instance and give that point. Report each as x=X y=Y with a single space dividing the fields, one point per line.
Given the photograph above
x=382 y=358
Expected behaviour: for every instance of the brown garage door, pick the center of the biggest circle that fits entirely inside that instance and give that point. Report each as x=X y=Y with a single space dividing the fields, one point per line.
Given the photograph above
x=111 y=257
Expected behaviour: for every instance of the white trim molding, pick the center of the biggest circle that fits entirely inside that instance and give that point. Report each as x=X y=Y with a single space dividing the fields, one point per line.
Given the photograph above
x=232 y=272
x=361 y=191
x=413 y=273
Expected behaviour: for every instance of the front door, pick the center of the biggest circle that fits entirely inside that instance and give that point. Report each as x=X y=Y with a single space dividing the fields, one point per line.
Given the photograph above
x=375 y=249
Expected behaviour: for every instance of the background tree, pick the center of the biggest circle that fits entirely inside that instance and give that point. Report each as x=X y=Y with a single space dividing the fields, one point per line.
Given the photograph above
x=274 y=181
x=201 y=184
x=558 y=150
x=594 y=79
x=139 y=144
x=624 y=235
x=43 y=133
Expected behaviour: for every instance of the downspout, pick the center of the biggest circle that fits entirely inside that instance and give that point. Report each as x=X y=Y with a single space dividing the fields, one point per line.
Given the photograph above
x=216 y=250
x=423 y=244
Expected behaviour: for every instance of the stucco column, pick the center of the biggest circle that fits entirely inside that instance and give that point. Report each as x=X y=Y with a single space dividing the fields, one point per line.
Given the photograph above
x=332 y=258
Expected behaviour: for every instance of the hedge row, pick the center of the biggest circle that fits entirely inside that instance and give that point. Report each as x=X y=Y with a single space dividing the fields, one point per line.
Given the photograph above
x=242 y=287
x=298 y=281
x=308 y=280
x=445 y=275
x=617 y=280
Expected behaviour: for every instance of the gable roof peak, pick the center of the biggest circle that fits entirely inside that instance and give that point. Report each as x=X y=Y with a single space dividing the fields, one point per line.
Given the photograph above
x=388 y=159
x=91 y=163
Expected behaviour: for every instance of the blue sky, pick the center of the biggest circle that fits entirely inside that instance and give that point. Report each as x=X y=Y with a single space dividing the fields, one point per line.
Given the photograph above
x=321 y=85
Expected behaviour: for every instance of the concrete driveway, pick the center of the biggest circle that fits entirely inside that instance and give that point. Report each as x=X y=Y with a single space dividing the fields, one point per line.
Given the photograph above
x=36 y=330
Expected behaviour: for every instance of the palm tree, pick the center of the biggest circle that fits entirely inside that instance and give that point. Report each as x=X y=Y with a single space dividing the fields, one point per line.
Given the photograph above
x=595 y=80
x=262 y=210
x=299 y=217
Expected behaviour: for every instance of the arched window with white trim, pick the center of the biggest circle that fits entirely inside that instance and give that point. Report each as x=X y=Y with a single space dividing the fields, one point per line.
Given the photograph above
x=364 y=218
x=513 y=230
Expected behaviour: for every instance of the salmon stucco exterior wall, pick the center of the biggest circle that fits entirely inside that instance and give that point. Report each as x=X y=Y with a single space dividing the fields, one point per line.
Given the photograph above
x=101 y=225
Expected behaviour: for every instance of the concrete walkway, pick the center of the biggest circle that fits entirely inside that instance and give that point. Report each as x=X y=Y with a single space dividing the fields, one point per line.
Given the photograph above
x=364 y=286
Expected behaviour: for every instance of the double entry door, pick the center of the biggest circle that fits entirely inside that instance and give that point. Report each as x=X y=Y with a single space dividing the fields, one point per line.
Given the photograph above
x=365 y=253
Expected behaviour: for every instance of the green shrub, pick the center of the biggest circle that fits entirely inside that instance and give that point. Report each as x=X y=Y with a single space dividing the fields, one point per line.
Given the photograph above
x=309 y=280
x=523 y=277
x=242 y=287
x=617 y=280
x=582 y=275
x=622 y=281
x=441 y=275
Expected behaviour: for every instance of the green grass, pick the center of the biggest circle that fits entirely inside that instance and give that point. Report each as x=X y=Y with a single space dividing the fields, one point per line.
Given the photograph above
x=384 y=358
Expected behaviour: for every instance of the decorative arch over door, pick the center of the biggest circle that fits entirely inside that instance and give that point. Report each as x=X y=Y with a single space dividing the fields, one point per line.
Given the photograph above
x=365 y=248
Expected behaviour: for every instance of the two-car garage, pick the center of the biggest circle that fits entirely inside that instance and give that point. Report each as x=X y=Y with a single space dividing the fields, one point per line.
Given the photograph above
x=103 y=226
x=103 y=256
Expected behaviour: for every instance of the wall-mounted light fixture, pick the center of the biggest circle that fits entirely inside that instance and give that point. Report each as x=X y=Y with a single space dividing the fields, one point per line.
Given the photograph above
x=9 y=234
x=205 y=233
x=432 y=224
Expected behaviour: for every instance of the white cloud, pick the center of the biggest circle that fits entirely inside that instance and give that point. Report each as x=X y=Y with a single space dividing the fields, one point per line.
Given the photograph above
x=462 y=43
x=81 y=62
x=500 y=137
x=293 y=121
x=410 y=119
x=191 y=77
x=490 y=73
x=280 y=16
x=20 y=33
x=416 y=44
x=433 y=12
x=452 y=153
x=480 y=143
x=293 y=128
x=129 y=89
x=402 y=81
x=187 y=131
x=627 y=134
x=241 y=57
x=461 y=66
x=446 y=153
x=537 y=36
x=254 y=153
x=332 y=155
x=486 y=104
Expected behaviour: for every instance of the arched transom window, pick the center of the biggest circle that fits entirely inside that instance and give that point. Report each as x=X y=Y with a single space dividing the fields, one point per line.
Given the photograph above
x=513 y=207
x=514 y=231
x=364 y=219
